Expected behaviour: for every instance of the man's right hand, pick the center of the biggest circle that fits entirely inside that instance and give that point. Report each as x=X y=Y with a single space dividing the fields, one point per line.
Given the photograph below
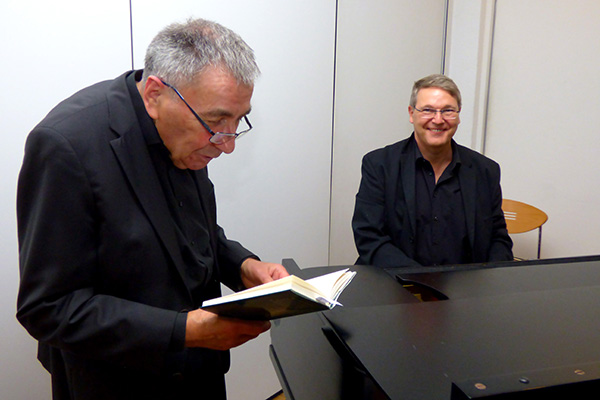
x=208 y=330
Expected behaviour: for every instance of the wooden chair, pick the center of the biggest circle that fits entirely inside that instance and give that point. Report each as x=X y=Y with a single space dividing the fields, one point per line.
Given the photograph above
x=521 y=217
x=277 y=396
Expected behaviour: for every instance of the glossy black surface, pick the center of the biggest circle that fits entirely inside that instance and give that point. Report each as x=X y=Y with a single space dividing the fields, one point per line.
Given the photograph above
x=501 y=333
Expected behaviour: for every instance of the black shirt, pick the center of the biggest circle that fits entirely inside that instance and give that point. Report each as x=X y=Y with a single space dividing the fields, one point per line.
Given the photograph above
x=441 y=233
x=182 y=196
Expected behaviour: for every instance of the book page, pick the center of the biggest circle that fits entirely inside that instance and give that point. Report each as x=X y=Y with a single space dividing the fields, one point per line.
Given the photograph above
x=324 y=289
x=332 y=284
x=269 y=287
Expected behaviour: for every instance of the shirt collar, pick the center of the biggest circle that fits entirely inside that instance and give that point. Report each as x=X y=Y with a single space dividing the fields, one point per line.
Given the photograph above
x=149 y=131
x=419 y=156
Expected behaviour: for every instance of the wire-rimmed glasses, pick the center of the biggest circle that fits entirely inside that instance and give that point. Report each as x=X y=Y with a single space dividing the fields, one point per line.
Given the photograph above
x=216 y=137
x=447 y=113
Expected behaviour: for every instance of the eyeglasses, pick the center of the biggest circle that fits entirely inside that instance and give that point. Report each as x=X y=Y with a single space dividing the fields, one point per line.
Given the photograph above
x=216 y=137
x=447 y=114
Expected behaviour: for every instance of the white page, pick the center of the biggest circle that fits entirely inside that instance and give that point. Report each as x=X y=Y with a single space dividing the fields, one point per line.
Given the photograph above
x=327 y=283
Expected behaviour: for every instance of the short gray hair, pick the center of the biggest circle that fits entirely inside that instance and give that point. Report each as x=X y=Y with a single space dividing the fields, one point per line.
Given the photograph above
x=181 y=51
x=436 y=81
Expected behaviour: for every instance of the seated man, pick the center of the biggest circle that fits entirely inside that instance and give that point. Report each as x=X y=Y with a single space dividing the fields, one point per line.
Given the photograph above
x=427 y=200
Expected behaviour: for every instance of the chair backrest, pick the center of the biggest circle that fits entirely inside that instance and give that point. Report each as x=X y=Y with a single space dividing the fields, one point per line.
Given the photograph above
x=521 y=217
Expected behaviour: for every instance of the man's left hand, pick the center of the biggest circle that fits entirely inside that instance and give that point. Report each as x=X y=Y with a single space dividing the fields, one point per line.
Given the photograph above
x=256 y=272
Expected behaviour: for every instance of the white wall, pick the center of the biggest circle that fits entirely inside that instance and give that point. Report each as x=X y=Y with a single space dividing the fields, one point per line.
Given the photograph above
x=383 y=47
x=532 y=68
x=467 y=62
x=542 y=124
x=49 y=50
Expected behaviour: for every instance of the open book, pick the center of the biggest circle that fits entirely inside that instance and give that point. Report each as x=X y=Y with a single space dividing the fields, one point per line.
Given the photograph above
x=283 y=298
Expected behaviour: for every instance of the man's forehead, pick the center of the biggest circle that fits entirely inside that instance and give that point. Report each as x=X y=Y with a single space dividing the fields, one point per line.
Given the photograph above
x=217 y=94
x=429 y=93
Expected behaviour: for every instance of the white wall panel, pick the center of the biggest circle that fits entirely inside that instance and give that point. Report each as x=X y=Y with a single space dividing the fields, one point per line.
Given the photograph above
x=49 y=50
x=541 y=125
x=383 y=47
x=468 y=51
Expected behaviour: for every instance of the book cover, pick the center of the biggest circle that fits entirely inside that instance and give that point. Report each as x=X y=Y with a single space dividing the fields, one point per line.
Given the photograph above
x=283 y=298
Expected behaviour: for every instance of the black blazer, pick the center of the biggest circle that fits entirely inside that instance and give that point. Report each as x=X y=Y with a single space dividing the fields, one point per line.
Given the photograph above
x=384 y=221
x=102 y=277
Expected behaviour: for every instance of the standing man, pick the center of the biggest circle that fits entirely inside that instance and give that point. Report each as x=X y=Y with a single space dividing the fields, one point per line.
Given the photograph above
x=427 y=200
x=119 y=244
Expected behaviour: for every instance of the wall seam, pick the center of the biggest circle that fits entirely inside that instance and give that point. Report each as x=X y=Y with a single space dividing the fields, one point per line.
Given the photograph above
x=335 y=37
x=131 y=33
x=489 y=79
x=445 y=35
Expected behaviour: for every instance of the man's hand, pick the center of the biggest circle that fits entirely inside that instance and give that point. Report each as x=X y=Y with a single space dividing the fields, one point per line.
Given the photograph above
x=206 y=329
x=256 y=272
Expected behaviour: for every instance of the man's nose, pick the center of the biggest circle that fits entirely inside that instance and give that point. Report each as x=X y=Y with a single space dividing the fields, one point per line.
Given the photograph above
x=437 y=117
x=227 y=147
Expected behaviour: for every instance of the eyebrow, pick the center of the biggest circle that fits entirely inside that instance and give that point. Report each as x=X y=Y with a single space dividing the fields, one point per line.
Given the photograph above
x=441 y=108
x=219 y=112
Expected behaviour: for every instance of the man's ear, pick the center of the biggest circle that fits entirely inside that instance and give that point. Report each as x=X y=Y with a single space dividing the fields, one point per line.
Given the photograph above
x=151 y=95
x=410 y=114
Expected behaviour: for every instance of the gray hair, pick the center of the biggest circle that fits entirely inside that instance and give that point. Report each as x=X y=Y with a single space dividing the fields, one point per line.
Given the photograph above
x=436 y=81
x=181 y=51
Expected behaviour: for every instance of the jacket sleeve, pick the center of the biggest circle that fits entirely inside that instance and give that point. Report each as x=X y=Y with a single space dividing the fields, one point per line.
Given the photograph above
x=371 y=222
x=501 y=243
x=58 y=232
x=231 y=254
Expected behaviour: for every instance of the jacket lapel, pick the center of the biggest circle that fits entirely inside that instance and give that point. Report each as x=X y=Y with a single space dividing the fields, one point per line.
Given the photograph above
x=407 y=170
x=131 y=152
x=468 y=187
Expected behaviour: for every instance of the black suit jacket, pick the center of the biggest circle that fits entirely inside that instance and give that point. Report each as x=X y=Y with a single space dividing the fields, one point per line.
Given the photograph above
x=102 y=276
x=384 y=221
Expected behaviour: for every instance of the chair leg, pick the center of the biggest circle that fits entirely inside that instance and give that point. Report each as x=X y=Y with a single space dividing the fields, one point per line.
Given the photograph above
x=539 y=252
